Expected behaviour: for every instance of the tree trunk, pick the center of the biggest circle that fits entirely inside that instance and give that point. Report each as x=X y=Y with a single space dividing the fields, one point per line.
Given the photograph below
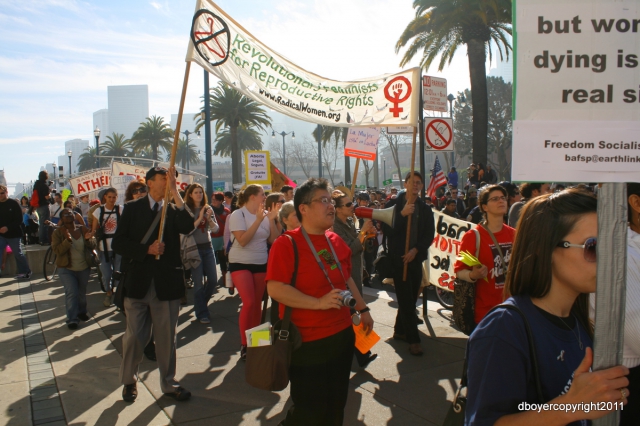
x=479 y=99
x=236 y=161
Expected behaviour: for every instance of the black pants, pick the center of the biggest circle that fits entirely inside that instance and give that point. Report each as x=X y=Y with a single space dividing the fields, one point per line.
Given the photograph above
x=320 y=380
x=631 y=413
x=407 y=294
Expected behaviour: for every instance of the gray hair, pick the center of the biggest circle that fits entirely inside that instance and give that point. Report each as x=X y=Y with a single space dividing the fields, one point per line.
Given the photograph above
x=286 y=209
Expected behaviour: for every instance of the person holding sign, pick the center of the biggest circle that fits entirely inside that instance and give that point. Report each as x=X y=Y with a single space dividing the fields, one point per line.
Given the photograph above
x=543 y=353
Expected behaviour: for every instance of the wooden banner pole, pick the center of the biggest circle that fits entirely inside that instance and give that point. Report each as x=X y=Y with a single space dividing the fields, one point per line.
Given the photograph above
x=410 y=199
x=174 y=149
x=355 y=177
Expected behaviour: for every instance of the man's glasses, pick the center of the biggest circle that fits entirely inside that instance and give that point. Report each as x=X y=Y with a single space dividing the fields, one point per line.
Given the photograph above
x=323 y=200
x=500 y=198
x=349 y=204
x=589 y=248
x=142 y=190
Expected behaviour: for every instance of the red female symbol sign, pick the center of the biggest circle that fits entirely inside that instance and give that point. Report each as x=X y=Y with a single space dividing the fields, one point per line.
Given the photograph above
x=394 y=90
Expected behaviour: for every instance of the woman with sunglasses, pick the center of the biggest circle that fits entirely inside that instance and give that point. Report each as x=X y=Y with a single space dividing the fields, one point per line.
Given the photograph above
x=205 y=223
x=251 y=227
x=68 y=242
x=553 y=272
x=136 y=189
x=489 y=277
x=346 y=229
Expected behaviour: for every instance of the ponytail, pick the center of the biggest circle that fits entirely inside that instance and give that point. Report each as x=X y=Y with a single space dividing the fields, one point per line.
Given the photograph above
x=243 y=196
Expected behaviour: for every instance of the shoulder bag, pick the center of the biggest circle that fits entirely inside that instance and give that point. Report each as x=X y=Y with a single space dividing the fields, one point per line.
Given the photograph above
x=464 y=294
x=268 y=366
x=383 y=265
x=456 y=413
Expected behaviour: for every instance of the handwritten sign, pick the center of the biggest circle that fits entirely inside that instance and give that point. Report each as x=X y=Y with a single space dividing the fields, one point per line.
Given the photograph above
x=362 y=142
x=120 y=169
x=257 y=168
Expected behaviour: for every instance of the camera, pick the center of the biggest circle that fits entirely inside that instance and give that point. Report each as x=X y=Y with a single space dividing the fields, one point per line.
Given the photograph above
x=347 y=299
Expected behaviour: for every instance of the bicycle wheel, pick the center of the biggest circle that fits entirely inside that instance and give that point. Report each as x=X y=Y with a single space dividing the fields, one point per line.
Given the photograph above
x=445 y=298
x=49 y=265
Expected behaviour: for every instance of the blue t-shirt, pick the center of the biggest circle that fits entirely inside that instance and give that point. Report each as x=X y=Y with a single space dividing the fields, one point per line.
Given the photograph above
x=453 y=179
x=499 y=373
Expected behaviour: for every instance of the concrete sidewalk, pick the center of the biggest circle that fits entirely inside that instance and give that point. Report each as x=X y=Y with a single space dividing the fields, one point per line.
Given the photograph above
x=50 y=375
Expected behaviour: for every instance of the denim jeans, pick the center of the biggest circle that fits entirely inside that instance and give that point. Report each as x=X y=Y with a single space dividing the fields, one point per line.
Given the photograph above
x=107 y=268
x=75 y=292
x=202 y=292
x=16 y=248
x=43 y=230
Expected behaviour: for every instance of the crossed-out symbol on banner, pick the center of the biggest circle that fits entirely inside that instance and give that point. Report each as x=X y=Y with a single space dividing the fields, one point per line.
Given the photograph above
x=212 y=45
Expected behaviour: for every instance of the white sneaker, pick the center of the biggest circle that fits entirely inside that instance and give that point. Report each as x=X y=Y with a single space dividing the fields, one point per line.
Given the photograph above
x=205 y=321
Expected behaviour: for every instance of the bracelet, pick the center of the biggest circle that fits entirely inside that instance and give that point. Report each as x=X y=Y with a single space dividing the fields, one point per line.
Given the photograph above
x=363 y=310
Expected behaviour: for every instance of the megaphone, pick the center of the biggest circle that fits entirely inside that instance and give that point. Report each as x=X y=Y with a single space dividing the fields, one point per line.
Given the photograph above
x=383 y=215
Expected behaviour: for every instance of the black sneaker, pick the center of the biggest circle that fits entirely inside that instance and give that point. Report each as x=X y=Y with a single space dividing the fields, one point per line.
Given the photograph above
x=73 y=326
x=23 y=276
x=129 y=392
x=83 y=317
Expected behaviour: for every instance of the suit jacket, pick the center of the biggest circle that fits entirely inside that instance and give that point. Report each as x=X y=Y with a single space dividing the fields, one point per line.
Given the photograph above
x=141 y=268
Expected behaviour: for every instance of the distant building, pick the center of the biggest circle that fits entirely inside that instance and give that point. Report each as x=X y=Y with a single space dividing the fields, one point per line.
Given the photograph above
x=502 y=69
x=128 y=106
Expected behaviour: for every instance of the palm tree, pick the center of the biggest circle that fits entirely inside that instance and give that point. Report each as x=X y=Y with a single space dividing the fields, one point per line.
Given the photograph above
x=441 y=26
x=338 y=134
x=232 y=110
x=248 y=139
x=87 y=159
x=155 y=134
x=185 y=154
x=317 y=136
x=116 y=145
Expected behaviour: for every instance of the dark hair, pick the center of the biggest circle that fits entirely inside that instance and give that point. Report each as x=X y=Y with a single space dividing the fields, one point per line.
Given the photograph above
x=244 y=195
x=24 y=197
x=108 y=191
x=305 y=192
x=218 y=196
x=544 y=222
x=188 y=196
x=633 y=188
x=43 y=175
x=526 y=189
x=286 y=188
x=272 y=199
x=228 y=194
x=511 y=188
x=67 y=203
x=135 y=184
x=450 y=201
x=484 y=196
x=408 y=175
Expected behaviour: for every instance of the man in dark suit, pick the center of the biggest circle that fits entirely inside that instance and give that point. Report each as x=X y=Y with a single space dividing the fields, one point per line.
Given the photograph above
x=421 y=236
x=153 y=288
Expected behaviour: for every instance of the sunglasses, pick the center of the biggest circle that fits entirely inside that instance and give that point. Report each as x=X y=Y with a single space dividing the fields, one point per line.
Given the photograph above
x=349 y=204
x=142 y=190
x=282 y=201
x=589 y=248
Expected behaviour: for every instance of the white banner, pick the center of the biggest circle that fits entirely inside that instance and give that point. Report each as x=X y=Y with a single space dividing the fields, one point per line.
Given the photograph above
x=90 y=183
x=224 y=48
x=120 y=183
x=577 y=102
x=362 y=142
x=121 y=169
x=445 y=248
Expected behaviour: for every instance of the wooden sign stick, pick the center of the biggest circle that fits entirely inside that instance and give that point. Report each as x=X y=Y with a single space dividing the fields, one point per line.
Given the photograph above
x=355 y=177
x=174 y=149
x=410 y=200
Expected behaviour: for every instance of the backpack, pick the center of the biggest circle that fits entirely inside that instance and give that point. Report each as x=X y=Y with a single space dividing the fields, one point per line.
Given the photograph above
x=100 y=234
x=35 y=199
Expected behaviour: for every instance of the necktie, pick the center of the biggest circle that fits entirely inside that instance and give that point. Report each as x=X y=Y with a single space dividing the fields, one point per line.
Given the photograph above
x=155 y=208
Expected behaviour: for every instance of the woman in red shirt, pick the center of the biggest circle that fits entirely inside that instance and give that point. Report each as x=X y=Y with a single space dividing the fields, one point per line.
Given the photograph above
x=489 y=291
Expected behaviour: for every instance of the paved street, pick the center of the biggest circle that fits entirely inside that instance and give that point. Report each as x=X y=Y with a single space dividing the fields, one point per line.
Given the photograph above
x=50 y=375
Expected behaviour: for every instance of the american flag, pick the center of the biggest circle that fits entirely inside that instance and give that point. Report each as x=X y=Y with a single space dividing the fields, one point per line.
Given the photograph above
x=437 y=179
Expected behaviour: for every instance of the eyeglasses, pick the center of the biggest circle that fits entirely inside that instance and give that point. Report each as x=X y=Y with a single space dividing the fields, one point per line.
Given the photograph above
x=282 y=201
x=589 y=248
x=500 y=198
x=142 y=190
x=3 y=193
x=349 y=204
x=323 y=200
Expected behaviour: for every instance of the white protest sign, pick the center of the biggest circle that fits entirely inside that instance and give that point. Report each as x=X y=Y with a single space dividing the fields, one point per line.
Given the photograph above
x=120 y=183
x=400 y=130
x=434 y=93
x=577 y=100
x=362 y=142
x=439 y=134
x=90 y=182
x=120 y=169
x=445 y=248
x=257 y=168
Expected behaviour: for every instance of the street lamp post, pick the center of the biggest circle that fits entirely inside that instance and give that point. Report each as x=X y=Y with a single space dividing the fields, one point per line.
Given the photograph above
x=69 y=154
x=186 y=147
x=96 y=133
x=55 y=179
x=284 y=151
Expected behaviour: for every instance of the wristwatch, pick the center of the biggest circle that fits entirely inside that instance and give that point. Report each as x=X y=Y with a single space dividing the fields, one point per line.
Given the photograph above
x=363 y=310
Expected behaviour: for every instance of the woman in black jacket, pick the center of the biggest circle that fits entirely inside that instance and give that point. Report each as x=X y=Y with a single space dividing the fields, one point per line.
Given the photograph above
x=42 y=188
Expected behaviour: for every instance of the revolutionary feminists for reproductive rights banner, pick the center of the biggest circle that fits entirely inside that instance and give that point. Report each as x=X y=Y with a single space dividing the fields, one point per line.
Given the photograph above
x=224 y=48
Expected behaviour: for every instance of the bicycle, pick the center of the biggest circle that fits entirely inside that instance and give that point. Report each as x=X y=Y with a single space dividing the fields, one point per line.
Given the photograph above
x=49 y=267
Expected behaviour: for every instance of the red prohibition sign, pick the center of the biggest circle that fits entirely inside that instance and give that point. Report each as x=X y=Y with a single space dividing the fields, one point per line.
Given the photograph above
x=446 y=140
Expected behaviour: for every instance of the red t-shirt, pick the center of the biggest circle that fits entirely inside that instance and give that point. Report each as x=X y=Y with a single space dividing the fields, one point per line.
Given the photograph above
x=222 y=220
x=313 y=324
x=488 y=294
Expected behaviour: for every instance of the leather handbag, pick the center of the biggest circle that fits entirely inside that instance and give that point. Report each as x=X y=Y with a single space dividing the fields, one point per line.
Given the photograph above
x=457 y=411
x=382 y=264
x=464 y=294
x=91 y=257
x=267 y=367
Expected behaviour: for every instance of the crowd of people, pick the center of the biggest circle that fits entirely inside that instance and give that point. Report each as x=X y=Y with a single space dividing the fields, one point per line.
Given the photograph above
x=526 y=241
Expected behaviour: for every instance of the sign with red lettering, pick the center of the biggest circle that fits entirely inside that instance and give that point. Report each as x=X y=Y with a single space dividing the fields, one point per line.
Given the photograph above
x=91 y=182
x=362 y=142
x=434 y=93
x=444 y=249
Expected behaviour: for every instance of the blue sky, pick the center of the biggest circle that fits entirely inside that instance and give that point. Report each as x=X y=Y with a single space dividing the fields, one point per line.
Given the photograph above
x=59 y=56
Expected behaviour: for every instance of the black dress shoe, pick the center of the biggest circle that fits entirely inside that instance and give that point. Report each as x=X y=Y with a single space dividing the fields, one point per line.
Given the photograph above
x=73 y=326
x=83 y=317
x=180 y=394
x=368 y=361
x=130 y=392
